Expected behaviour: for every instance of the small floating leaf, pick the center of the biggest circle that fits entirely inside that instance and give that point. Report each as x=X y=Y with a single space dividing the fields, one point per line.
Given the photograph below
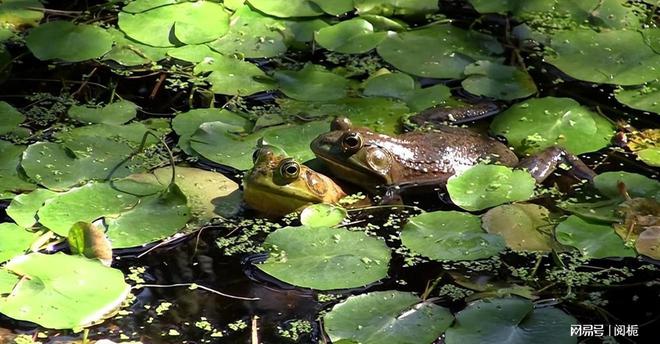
x=593 y=240
x=498 y=81
x=23 y=208
x=393 y=85
x=396 y=7
x=10 y=118
x=11 y=179
x=228 y=75
x=637 y=185
x=322 y=215
x=20 y=13
x=312 y=83
x=116 y=113
x=648 y=242
x=525 y=227
x=87 y=240
x=66 y=41
x=185 y=124
x=128 y=52
x=645 y=98
x=354 y=36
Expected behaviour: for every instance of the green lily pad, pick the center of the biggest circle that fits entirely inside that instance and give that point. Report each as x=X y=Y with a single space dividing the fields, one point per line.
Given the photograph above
x=436 y=95
x=23 y=208
x=252 y=35
x=7 y=281
x=382 y=23
x=592 y=239
x=539 y=123
x=484 y=186
x=511 y=321
x=598 y=211
x=11 y=178
x=498 y=81
x=339 y=258
x=450 y=235
x=648 y=242
x=185 y=124
x=66 y=41
x=168 y=25
x=128 y=52
x=392 y=85
x=322 y=215
x=438 y=51
x=650 y=156
x=646 y=98
x=624 y=56
x=637 y=185
x=312 y=83
x=19 y=13
x=228 y=75
x=10 y=118
x=396 y=7
x=118 y=112
x=302 y=31
x=88 y=240
x=392 y=317
x=334 y=7
x=354 y=36
x=14 y=240
x=289 y=8
x=62 y=291
x=223 y=144
x=525 y=227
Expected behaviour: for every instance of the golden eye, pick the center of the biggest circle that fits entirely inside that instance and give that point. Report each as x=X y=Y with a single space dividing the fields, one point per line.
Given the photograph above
x=378 y=159
x=289 y=169
x=351 y=142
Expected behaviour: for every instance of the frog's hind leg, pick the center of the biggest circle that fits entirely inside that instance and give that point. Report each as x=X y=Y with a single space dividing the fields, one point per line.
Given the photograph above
x=542 y=164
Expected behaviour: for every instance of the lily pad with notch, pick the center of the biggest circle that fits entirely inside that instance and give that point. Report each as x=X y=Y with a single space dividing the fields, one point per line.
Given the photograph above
x=23 y=208
x=12 y=179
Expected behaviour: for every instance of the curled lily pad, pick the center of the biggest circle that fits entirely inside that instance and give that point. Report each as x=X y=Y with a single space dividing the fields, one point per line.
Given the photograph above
x=525 y=227
x=116 y=113
x=170 y=24
x=484 y=186
x=512 y=321
x=286 y=9
x=23 y=208
x=593 y=240
x=88 y=240
x=438 y=51
x=354 y=36
x=11 y=179
x=396 y=7
x=536 y=124
x=392 y=317
x=339 y=258
x=312 y=83
x=20 y=13
x=14 y=240
x=10 y=118
x=636 y=185
x=648 y=242
x=498 y=81
x=63 y=292
x=322 y=215
x=450 y=235
x=624 y=56
x=66 y=41
x=645 y=98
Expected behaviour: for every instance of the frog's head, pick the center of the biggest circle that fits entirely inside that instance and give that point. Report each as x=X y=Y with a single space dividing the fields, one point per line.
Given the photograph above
x=355 y=154
x=278 y=185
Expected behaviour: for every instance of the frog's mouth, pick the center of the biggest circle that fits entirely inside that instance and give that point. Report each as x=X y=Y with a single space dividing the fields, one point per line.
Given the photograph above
x=353 y=172
x=284 y=193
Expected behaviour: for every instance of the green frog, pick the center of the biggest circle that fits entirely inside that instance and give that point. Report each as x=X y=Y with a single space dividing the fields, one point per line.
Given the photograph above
x=422 y=160
x=278 y=185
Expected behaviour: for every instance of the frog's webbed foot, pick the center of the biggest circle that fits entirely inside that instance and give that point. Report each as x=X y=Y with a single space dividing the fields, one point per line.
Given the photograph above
x=542 y=164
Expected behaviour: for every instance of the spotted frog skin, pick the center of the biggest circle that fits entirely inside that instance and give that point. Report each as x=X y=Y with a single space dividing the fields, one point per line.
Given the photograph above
x=278 y=185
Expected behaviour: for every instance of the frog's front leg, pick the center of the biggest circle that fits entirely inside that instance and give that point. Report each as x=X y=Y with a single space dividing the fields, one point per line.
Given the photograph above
x=542 y=164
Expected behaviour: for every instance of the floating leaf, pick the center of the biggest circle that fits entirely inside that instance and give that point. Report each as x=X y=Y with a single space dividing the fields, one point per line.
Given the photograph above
x=382 y=23
x=436 y=95
x=66 y=41
x=354 y=36
x=536 y=124
x=23 y=208
x=624 y=57
x=289 y=8
x=14 y=241
x=334 y=7
x=322 y=215
x=87 y=240
x=7 y=281
x=232 y=76
x=450 y=235
x=392 y=317
x=593 y=240
x=303 y=30
x=171 y=24
x=312 y=83
x=484 y=186
x=598 y=211
x=648 y=242
x=396 y=7
x=393 y=85
x=525 y=227
x=438 y=51
x=118 y=112
x=339 y=258
x=511 y=321
x=498 y=81
x=62 y=291
x=11 y=179
x=128 y=52
x=20 y=13
x=185 y=124
x=645 y=98
x=10 y=118
x=637 y=185
x=650 y=156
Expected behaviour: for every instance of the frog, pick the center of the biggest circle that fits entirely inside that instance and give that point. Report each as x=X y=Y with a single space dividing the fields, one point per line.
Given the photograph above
x=278 y=185
x=424 y=160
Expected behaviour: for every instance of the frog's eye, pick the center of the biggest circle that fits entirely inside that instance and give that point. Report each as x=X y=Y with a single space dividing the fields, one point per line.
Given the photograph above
x=351 y=142
x=378 y=160
x=289 y=169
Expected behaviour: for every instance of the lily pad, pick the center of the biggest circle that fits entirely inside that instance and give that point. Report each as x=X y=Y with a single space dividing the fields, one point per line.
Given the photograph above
x=61 y=291
x=650 y=156
x=118 y=112
x=20 y=13
x=339 y=258
x=624 y=56
x=436 y=95
x=637 y=185
x=645 y=98
x=525 y=227
x=302 y=31
x=10 y=118
x=498 y=81
x=289 y=8
x=231 y=76
x=536 y=124
x=334 y=7
x=11 y=178
x=450 y=235
x=396 y=7
x=312 y=83
x=7 y=281
x=438 y=51
x=354 y=36
x=592 y=239
x=252 y=35
x=484 y=186
x=23 y=208
x=128 y=52
x=392 y=317
x=597 y=211
x=172 y=24
x=393 y=85
x=66 y=41
x=185 y=124
x=14 y=240
x=648 y=242
x=322 y=215
x=511 y=321
x=88 y=240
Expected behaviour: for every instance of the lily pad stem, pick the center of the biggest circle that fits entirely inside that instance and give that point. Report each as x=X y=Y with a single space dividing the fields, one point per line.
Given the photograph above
x=193 y=286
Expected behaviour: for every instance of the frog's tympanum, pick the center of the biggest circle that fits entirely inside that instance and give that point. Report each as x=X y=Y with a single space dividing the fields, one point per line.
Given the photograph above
x=279 y=185
x=423 y=159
